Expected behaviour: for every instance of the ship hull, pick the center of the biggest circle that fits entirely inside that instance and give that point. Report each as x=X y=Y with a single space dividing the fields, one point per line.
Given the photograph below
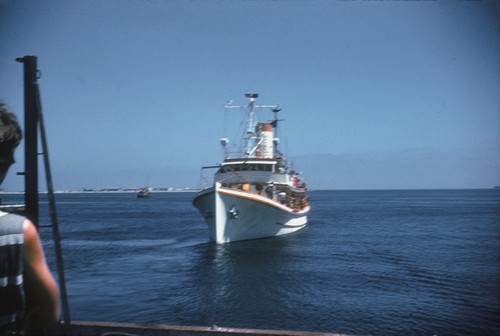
x=233 y=215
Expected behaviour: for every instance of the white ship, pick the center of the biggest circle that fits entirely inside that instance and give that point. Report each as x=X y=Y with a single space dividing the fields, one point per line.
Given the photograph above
x=254 y=193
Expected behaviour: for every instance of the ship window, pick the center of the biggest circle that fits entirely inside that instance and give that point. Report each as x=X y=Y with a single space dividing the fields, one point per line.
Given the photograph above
x=247 y=167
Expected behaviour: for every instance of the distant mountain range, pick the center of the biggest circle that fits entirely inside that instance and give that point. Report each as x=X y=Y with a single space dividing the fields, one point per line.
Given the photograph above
x=424 y=168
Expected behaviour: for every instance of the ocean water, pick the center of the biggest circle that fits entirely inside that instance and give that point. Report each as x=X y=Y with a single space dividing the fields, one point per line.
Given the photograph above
x=412 y=262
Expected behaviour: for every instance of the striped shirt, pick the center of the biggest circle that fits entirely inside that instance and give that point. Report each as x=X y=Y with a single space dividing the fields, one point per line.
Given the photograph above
x=12 y=302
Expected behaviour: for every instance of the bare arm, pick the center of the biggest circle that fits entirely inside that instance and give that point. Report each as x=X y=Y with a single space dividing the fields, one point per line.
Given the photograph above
x=42 y=295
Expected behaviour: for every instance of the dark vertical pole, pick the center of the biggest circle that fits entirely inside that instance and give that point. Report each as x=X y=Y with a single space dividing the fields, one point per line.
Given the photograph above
x=30 y=139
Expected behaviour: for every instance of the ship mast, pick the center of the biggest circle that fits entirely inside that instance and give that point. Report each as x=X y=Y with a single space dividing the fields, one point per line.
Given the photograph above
x=251 y=123
x=250 y=138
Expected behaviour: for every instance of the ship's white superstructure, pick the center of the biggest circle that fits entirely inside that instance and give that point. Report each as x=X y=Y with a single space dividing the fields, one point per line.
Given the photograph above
x=254 y=193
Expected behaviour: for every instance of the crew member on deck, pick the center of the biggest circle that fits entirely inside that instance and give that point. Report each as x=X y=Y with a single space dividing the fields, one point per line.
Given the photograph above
x=270 y=190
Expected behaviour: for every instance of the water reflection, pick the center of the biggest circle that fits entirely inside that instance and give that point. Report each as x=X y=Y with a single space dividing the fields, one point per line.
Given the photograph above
x=250 y=278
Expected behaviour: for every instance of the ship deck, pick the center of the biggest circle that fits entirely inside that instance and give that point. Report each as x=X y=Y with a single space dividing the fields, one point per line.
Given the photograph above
x=82 y=328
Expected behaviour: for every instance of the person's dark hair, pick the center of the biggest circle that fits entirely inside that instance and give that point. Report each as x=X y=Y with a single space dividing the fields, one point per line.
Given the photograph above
x=10 y=134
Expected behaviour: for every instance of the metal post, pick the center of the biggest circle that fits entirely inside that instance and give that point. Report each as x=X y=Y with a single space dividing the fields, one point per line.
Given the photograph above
x=30 y=139
x=33 y=118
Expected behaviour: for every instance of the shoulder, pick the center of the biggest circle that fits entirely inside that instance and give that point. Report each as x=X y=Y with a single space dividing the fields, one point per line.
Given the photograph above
x=29 y=229
x=34 y=257
x=11 y=224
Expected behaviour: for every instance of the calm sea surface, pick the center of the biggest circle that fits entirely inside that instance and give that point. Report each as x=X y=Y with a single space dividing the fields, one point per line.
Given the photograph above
x=415 y=262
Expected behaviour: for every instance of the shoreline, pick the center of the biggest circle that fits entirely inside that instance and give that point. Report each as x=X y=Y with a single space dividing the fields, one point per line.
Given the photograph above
x=106 y=191
x=192 y=190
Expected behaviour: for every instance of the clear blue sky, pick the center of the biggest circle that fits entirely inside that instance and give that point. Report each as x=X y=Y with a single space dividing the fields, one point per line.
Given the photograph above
x=376 y=94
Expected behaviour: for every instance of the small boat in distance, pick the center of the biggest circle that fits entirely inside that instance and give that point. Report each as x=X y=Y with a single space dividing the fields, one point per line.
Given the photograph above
x=254 y=193
x=143 y=192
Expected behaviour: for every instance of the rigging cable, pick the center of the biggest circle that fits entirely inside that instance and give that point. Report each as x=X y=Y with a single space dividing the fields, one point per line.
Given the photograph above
x=53 y=213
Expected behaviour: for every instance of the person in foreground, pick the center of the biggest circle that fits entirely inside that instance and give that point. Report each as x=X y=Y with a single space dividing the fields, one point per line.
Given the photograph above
x=29 y=297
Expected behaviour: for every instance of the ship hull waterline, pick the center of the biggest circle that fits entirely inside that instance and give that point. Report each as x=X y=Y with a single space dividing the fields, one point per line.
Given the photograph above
x=233 y=215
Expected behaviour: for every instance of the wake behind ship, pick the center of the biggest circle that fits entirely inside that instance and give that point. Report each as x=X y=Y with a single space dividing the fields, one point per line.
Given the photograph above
x=255 y=193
